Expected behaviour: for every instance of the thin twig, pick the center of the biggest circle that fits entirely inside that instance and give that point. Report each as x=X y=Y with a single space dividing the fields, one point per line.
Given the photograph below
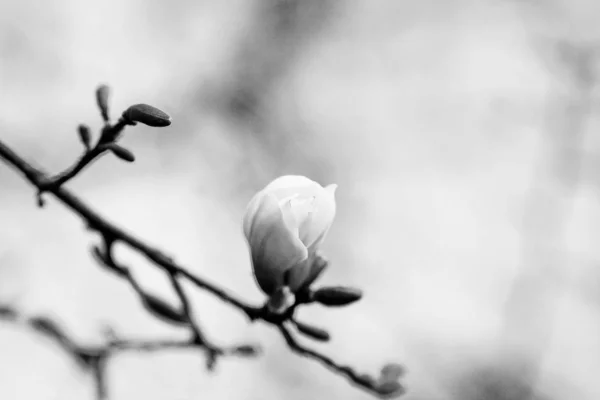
x=95 y=358
x=198 y=335
x=109 y=134
x=381 y=389
x=106 y=257
x=99 y=370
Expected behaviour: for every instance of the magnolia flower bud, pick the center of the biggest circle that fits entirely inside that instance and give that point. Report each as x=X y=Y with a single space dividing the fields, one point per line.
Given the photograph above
x=102 y=94
x=337 y=296
x=147 y=115
x=284 y=224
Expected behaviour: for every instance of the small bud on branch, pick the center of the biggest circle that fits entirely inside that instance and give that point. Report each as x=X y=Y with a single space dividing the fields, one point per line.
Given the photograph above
x=121 y=152
x=312 y=331
x=336 y=296
x=147 y=115
x=102 y=95
x=85 y=136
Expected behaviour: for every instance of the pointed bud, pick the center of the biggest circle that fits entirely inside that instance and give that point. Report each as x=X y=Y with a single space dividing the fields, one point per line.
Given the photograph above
x=121 y=152
x=85 y=135
x=40 y=199
x=164 y=310
x=102 y=94
x=312 y=331
x=211 y=361
x=147 y=115
x=335 y=296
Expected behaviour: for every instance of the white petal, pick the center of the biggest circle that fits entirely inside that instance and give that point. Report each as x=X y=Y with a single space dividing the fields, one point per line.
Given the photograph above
x=322 y=217
x=288 y=214
x=303 y=209
x=289 y=181
x=291 y=185
x=285 y=223
x=331 y=189
x=274 y=247
x=299 y=273
x=250 y=213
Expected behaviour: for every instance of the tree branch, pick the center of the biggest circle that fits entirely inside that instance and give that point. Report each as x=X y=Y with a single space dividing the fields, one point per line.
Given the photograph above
x=386 y=386
x=95 y=358
x=96 y=222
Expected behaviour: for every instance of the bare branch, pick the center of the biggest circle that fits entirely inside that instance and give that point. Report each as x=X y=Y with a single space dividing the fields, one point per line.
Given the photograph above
x=382 y=388
x=198 y=335
x=95 y=358
x=107 y=141
x=109 y=134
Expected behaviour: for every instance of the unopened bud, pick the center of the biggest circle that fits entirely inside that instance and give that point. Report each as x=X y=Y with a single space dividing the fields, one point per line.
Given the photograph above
x=121 y=152
x=85 y=135
x=312 y=331
x=147 y=115
x=102 y=94
x=335 y=296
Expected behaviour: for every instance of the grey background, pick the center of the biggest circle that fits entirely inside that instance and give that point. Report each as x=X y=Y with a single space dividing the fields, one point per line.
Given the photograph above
x=462 y=135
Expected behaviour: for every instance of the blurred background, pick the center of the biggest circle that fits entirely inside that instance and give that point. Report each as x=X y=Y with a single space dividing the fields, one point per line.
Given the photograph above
x=460 y=133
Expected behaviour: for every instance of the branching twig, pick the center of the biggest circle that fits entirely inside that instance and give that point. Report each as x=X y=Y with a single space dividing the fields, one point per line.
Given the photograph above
x=95 y=358
x=106 y=141
x=107 y=229
x=198 y=336
x=104 y=144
